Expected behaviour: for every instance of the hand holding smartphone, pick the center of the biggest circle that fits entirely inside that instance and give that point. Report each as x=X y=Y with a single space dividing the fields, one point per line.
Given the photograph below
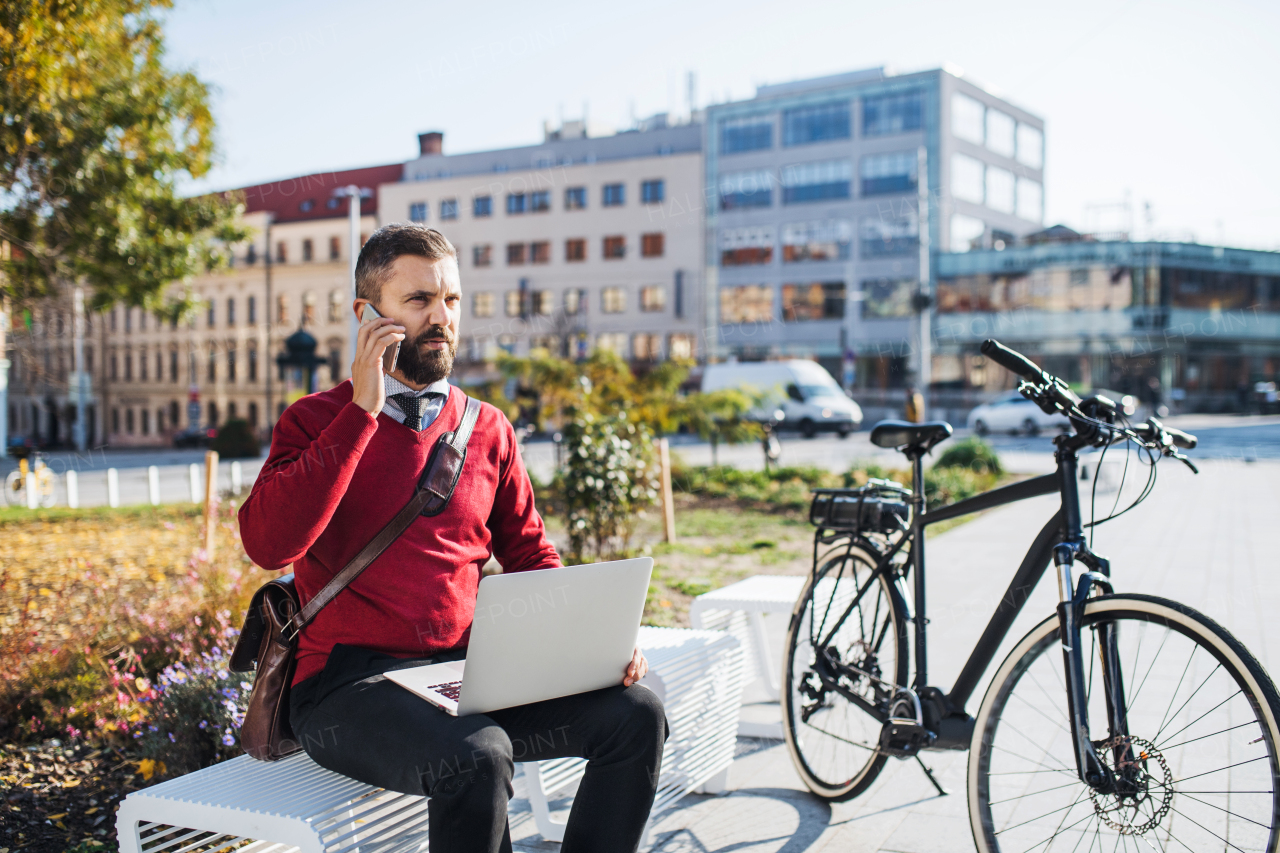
x=391 y=354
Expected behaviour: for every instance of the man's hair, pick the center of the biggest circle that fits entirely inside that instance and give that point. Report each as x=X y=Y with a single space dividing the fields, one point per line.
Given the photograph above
x=390 y=242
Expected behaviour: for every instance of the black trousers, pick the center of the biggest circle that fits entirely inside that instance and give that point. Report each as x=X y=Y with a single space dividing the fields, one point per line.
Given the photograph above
x=351 y=719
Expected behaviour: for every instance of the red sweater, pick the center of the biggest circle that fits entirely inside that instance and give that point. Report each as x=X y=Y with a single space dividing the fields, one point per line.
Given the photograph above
x=337 y=475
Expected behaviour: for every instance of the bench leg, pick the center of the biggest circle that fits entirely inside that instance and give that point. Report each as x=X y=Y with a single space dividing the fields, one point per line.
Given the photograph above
x=763 y=659
x=548 y=827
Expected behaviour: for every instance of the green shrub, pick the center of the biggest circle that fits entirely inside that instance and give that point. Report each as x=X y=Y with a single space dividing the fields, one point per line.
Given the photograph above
x=972 y=453
x=236 y=441
x=947 y=485
x=780 y=487
x=610 y=477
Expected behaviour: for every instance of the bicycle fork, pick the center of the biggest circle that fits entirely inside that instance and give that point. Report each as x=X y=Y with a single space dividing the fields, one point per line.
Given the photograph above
x=1071 y=600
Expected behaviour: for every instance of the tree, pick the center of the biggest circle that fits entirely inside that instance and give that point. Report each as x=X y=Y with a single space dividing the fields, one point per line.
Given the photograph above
x=718 y=416
x=96 y=138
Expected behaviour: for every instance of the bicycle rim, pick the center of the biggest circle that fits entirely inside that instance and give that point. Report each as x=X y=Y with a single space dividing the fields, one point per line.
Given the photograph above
x=834 y=744
x=1202 y=724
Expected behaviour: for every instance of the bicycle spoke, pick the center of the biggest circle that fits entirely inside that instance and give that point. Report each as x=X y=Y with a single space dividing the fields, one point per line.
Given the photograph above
x=1202 y=716
x=1132 y=699
x=1206 y=829
x=1221 y=809
x=1204 y=737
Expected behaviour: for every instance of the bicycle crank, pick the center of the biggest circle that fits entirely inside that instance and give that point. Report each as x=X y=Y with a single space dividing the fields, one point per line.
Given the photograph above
x=903 y=735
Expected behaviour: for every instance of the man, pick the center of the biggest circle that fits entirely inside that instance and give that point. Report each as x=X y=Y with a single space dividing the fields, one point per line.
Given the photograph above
x=342 y=464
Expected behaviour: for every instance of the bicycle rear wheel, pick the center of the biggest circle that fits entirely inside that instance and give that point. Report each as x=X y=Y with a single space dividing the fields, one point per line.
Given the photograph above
x=1202 y=721
x=834 y=743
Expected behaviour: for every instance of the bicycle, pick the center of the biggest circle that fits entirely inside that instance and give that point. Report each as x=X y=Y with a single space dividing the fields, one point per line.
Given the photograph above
x=1165 y=737
x=15 y=485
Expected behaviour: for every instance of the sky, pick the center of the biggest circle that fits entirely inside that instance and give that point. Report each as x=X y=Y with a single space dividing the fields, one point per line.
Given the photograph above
x=1161 y=115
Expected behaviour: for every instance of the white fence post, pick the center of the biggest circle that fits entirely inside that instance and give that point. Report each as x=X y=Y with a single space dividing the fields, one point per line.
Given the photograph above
x=193 y=477
x=237 y=478
x=153 y=485
x=33 y=498
x=73 y=489
x=113 y=487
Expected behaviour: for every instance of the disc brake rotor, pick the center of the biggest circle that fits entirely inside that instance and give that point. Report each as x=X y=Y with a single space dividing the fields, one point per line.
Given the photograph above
x=1144 y=786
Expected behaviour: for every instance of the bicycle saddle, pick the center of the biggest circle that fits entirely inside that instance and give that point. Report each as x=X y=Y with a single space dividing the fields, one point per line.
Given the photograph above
x=910 y=438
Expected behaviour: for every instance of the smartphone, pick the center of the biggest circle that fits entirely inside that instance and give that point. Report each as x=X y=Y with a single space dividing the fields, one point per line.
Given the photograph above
x=392 y=353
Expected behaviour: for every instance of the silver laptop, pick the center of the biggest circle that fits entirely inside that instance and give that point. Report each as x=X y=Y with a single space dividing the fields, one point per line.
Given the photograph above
x=540 y=635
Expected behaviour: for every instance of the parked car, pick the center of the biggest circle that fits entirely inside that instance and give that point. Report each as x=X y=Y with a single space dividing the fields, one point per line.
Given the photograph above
x=1014 y=413
x=194 y=437
x=809 y=397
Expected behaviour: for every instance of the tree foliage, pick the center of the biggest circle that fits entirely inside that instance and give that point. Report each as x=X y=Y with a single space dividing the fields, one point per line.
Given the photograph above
x=96 y=136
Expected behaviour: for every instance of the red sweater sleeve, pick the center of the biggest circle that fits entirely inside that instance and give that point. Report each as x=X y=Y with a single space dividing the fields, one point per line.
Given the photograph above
x=301 y=484
x=519 y=539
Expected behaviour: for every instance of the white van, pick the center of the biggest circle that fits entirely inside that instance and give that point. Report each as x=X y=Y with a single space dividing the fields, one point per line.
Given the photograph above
x=804 y=390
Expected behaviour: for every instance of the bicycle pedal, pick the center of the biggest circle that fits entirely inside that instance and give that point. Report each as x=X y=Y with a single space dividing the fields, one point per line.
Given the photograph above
x=903 y=737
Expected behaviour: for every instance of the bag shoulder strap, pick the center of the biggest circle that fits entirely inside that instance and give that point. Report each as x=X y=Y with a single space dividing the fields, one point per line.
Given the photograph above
x=422 y=496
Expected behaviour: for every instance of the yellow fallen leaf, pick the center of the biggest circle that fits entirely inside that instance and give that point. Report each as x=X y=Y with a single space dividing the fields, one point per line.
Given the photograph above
x=59 y=824
x=92 y=810
x=57 y=816
x=45 y=591
x=71 y=783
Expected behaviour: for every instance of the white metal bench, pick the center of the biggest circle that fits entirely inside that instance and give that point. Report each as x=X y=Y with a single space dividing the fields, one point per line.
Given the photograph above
x=740 y=609
x=296 y=805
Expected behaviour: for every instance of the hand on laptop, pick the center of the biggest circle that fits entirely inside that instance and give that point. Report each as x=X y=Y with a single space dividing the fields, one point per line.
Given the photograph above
x=636 y=669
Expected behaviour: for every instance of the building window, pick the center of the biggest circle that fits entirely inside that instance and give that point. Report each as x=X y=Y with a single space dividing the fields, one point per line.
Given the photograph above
x=231 y=311
x=252 y=310
x=282 y=253
x=653 y=298
x=1030 y=146
x=575 y=302
x=746 y=246
x=575 y=250
x=145 y=416
x=653 y=192
x=543 y=303
x=128 y=421
x=748 y=303
x=968 y=119
x=481 y=206
x=173 y=366
x=1030 y=200
x=159 y=364
x=615 y=248
x=513 y=303
x=335 y=248
x=115 y=364
x=307 y=249
x=335 y=364
x=816 y=301
x=540 y=252
x=253 y=415
x=806 y=182
x=306 y=205
x=308 y=309
x=615 y=342
x=335 y=306
x=449 y=209
x=967 y=178
x=746 y=189
x=816 y=241
x=614 y=195
x=231 y=364
x=1000 y=189
x=887 y=297
x=516 y=203
x=1000 y=133
x=142 y=366
x=515 y=254
x=253 y=365
x=746 y=134
x=889 y=173
x=482 y=255
x=418 y=211
x=613 y=300
x=213 y=414
x=888 y=236
x=966 y=233
x=680 y=346
x=646 y=346
x=213 y=365
x=887 y=114
x=482 y=304
x=251 y=254
x=651 y=245
x=540 y=202
x=210 y=314
x=818 y=123
x=575 y=198
x=282 y=309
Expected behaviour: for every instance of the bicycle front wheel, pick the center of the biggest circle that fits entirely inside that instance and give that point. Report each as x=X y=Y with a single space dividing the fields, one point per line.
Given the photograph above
x=1201 y=743
x=852 y=615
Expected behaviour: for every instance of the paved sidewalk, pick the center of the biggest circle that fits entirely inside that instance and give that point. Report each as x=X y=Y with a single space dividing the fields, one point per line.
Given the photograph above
x=1208 y=541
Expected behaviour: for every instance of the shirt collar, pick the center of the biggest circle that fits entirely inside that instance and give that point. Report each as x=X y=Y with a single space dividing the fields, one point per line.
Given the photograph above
x=395 y=386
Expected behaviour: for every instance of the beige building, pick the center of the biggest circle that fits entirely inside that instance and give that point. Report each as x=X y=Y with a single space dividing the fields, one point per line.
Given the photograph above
x=578 y=243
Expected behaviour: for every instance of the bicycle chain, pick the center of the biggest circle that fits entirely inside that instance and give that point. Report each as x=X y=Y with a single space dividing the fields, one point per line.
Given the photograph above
x=1146 y=751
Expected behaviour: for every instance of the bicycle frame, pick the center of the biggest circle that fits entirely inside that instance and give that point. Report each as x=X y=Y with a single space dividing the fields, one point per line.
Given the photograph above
x=1062 y=542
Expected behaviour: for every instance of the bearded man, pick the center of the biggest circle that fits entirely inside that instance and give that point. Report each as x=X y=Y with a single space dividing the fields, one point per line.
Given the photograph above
x=343 y=463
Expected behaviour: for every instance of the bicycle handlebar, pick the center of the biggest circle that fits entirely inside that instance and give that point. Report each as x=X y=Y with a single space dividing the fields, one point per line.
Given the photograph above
x=1014 y=362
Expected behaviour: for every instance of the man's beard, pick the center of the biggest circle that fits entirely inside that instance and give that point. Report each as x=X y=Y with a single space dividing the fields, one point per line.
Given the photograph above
x=423 y=366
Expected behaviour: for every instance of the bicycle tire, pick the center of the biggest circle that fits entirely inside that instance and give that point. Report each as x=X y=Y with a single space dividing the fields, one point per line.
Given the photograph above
x=803 y=743
x=1243 y=730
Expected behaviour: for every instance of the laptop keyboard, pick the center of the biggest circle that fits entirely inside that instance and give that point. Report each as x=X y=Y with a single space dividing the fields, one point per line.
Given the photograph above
x=452 y=690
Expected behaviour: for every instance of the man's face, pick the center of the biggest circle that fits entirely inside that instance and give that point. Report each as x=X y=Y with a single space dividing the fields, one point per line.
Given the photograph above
x=426 y=298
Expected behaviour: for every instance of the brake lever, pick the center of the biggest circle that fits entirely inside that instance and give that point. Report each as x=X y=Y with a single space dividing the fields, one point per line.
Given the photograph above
x=1181 y=457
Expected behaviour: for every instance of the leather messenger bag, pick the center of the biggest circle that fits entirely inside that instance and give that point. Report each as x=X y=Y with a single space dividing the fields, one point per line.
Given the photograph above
x=268 y=641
